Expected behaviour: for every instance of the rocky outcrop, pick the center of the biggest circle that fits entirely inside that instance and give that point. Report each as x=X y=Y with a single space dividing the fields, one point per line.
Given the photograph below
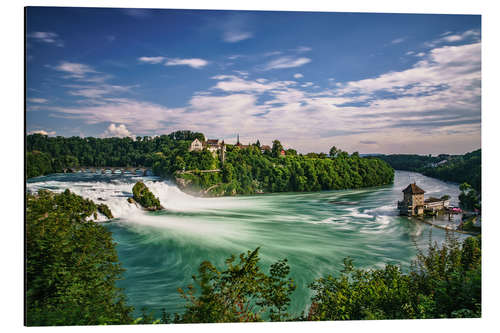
x=104 y=210
x=144 y=197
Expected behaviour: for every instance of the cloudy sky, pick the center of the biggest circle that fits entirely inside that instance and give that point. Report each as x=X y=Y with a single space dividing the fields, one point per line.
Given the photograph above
x=372 y=83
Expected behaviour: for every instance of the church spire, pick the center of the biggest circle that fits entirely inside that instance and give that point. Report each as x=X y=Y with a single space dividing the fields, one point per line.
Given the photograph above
x=238 y=141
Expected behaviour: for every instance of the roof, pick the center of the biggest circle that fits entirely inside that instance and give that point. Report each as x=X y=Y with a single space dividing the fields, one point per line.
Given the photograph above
x=265 y=147
x=434 y=200
x=213 y=141
x=414 y=189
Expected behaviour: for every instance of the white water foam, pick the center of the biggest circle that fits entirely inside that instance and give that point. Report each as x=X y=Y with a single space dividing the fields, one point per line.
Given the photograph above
x=114 y=193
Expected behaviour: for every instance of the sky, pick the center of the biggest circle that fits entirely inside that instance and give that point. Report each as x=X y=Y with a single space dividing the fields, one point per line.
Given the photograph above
x=365 y=82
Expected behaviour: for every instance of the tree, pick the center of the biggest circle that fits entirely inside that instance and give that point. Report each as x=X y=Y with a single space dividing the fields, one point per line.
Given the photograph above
x=71 y=264
x=333 y=151
x=276 y=149
x=144 y=197
x=469 y=199
x=227 y=172
x=444 y=282
x=240 y=293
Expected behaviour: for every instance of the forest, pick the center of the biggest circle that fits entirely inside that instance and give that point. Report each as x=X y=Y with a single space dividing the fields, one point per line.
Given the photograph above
x=72 y=268
x=244 y=171
x=454 y=168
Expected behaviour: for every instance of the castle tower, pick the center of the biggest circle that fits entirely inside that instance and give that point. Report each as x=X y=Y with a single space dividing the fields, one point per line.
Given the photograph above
x=222 y=152
x=413 y=201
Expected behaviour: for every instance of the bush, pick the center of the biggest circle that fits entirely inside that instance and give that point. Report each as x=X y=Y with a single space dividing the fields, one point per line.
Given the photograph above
x=71 y=264
x=445 y=282
x=145 y=198
x=240 y=293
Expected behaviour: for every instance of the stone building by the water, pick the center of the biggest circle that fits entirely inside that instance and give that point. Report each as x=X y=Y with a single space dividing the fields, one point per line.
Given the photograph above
x=414 y=203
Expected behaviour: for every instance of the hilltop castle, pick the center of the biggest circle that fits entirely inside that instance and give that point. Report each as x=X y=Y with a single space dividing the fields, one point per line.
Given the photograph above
x=213 y=146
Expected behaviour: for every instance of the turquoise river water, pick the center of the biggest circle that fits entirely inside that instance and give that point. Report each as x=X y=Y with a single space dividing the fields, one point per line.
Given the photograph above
x=314 y=231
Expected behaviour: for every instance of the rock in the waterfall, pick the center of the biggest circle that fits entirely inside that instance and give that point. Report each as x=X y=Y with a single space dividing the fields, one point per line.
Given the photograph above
x=144 y=197
x=104 y=210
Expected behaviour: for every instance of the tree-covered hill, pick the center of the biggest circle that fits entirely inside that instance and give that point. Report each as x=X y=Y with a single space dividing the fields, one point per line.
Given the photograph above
x=246 y=170
x=249 y=171
x=454 y=168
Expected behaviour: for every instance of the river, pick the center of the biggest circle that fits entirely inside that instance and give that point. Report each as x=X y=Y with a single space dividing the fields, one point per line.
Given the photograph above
x=314 y=231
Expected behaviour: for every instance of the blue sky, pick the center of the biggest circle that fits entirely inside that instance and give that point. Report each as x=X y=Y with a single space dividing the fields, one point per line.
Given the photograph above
x=385 y=83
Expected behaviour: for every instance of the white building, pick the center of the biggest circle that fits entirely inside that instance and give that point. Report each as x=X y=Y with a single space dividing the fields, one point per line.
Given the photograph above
x=196 y=145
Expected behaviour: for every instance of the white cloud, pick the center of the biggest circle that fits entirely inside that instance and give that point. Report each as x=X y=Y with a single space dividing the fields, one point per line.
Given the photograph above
x=152 y=60
x=272 y=53
x=241 y=73
x=236 y=36
x=298 y=76
x=97 y=91
x=75 y=70
x=302 y=49
x=232 y=83
x=472 y=35
x=42 y=132
x=398 y=40
x=193 y=62
x=38 y=100
x=139 y=116
x=286 y=62
x=119 y=131
x=47 y=37
x=461 y=37
x=437 y=100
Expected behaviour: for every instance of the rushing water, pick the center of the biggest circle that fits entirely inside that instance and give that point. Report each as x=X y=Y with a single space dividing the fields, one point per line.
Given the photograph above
x=315 y=231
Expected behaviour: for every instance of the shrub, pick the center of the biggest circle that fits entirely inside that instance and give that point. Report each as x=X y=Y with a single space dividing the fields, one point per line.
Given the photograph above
x=71 y=264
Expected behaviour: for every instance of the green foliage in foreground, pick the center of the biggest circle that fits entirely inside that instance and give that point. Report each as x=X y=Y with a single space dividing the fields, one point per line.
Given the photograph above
x=144 y=197
x=445 y=282
x=241 y=293
x=71 y=264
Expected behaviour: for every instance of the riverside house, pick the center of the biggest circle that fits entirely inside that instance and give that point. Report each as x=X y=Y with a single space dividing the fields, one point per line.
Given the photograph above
x=414 y=203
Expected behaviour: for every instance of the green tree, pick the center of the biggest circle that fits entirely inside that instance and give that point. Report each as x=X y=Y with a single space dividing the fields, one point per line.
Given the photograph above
x=144 y=197
x=71 y=264
x=444 y=282
x=227 y=172
x=333 y=151
x=276 y=148
x=240 y=293
x=469 y=198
